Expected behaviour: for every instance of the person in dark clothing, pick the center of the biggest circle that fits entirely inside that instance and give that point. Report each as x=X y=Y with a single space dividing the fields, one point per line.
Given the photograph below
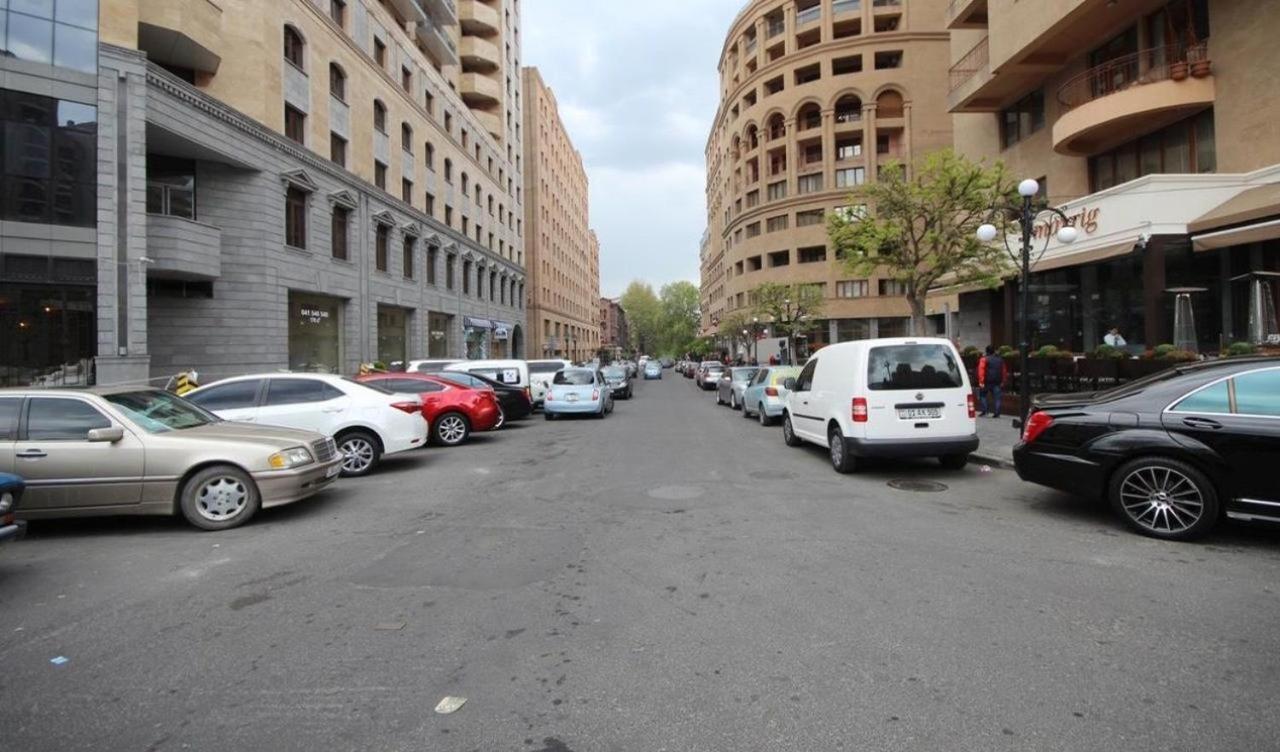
x=992 y=372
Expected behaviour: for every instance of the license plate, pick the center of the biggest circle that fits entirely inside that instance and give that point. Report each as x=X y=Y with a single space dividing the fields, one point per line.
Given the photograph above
x=920 y=413
x=333 y=471
x=573 y=398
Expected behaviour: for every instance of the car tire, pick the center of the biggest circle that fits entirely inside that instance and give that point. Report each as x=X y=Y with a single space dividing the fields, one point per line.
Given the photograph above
x=718 y=400
x=547 y=415
x=789 y=433
x=745 y=412
x=360 y=453
x=954 y=461
x=733 y=402
x=764 y=418
x=838 y=450
x=219 y=498
x=451 y=429
x=1157 y=497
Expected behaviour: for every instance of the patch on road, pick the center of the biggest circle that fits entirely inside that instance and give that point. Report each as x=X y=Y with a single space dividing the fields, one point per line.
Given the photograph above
x=676 y=493
x=918 y=486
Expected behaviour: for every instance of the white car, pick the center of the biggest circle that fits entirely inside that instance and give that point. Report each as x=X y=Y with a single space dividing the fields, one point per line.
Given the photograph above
x=902 y=397
x=430 y=366
x=541 y=372
x=365 y=421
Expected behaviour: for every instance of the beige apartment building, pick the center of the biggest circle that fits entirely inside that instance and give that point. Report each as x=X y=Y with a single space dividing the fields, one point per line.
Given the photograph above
x=1156 y=126
x=816 y=96
x=564 y=253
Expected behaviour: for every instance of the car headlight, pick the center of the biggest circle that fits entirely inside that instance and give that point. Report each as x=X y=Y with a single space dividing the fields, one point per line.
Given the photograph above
x=6 y=502
x=290 y=458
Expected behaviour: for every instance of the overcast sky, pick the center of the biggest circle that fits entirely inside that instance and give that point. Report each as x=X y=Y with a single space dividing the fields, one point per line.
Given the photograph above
x=637 y=89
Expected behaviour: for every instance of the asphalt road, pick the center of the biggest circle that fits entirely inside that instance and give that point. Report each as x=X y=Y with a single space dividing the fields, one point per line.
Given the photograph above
x=671 y=578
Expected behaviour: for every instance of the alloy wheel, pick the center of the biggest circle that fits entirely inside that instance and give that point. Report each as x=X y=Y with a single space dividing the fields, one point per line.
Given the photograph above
x=451 y=429
x=502 y=418
x=221 y=498
x=1161 y=499
x=357 y=454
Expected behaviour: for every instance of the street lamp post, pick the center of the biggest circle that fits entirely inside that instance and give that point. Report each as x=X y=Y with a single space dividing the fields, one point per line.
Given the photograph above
x=1028 y=212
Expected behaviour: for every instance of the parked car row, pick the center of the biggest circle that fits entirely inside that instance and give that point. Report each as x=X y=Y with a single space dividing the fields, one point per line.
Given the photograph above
x=227 y=449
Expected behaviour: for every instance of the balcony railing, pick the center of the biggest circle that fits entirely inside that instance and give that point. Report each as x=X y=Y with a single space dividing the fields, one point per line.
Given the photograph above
x=840 y=7
x=775 y=28
x=750 y=47
x=808 y=15
x=973 y=61
x=886 y=3
x=1137 y=69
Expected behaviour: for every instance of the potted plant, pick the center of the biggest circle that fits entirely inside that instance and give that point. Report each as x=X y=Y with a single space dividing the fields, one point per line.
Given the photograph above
x=1238 y=349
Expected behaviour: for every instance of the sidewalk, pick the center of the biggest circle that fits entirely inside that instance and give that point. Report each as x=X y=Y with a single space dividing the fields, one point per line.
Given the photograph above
x=996 y=437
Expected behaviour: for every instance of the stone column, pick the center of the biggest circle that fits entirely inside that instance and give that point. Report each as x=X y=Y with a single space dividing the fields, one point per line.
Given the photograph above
x=869 y=139
x=828 y=149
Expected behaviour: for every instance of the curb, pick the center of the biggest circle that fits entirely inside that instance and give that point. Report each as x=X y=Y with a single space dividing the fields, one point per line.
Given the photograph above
x=992 y=460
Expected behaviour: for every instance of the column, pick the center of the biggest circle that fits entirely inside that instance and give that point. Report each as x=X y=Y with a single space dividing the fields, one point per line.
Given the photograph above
x=908 y=156
x=828 y=21
x=869 y=138
x=828 y=149
x=789 y=34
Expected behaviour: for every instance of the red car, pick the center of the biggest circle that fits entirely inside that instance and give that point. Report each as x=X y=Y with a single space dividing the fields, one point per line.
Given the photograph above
x=452 y=410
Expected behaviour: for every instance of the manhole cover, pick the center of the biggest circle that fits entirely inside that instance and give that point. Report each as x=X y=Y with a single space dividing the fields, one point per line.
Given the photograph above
x=919 y=486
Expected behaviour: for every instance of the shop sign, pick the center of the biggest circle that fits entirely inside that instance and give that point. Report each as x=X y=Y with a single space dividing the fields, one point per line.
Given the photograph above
x=313 y=315
x=1085 y=220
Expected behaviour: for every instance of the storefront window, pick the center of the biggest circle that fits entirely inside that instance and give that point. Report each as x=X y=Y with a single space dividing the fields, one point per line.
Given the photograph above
x=47 y=334
x=315 y=333
x=852 y=329
x=393 y=334
x=1184 y=268
x=439 y=326
x=896 y=327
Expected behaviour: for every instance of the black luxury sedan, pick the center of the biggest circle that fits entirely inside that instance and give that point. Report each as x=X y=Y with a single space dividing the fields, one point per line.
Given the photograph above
x=515 y=401
x=1173 y=452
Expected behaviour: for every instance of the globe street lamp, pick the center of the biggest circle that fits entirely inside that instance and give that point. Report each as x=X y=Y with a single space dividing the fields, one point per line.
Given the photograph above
x=1027 y=213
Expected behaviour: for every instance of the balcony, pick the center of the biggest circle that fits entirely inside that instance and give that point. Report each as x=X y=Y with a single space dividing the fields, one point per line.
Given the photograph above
x=478 y=18
x=181 y=34
x=489 y=121
x=808 y=15
x=1134 y=94
x=443 y=11
x=478 y=54
x=437 y=43
x=841 y=7
x=183 y=249
x=969 y=74
x=967 y=14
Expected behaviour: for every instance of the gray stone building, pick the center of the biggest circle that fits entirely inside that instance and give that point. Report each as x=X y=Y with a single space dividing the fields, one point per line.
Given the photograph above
x=147 y=228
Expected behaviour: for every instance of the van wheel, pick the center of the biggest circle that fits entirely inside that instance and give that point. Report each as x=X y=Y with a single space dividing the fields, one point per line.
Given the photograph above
x=841 y=460
x=360 y=453
x=788 y=433
x=1164 y=498
x=219 y=498
x=954 y=461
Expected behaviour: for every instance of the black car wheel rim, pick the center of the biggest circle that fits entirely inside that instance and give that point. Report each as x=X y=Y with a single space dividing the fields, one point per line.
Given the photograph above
x=1161 y=499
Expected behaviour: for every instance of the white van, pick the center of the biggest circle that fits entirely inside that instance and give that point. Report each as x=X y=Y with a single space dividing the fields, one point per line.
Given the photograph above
x=541 y=372
x=429 y=366
x=509 y=372
x=901 y=397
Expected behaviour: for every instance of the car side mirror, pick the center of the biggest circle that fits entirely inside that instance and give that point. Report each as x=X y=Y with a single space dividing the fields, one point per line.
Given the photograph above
x=789 y=385
x=108 y=435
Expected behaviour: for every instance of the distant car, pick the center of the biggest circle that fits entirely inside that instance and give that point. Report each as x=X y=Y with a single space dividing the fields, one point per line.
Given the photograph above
x=578 y=391
x=509 y=372
x=452 y=410
x=897 y=397
x=631 y=367
x=618 y=380
x=366 y=421
x=708 y=374
x=513 y=401
x=668 y=363
x=540 y=374
x=142 y=451
x=652 y=370
x=10 y=496
x=764 y=396
x=1173 y=452
x=732 y=384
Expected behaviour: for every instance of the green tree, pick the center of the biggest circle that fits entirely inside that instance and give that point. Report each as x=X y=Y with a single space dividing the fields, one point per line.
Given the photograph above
x=644 y=315
x=922 y=229
x=679 y=324
x=788 y=310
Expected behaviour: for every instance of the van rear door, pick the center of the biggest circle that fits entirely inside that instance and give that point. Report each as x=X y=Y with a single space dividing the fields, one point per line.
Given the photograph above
x=916 y=390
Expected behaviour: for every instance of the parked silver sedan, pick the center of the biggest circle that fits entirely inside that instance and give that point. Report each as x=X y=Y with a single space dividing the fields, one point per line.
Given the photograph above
x=732 y=384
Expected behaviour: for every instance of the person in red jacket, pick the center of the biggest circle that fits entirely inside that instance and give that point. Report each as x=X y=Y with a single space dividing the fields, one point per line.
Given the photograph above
x=992 y=372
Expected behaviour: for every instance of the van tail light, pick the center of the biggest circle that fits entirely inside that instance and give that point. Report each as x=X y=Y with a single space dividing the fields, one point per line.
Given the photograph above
x=595 y=394
x=973 y=406
x=771 y=391
x=408 y=407
x=1036 y=425
x=859 y=409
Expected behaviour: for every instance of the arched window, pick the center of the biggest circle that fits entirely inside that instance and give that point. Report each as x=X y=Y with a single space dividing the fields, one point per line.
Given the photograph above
x=294 y=47
x=379 y=116
x=337 y=82
x=753 y=137
x=848 y=109
x=777 y=126
x=406 y=137
x=889 y=104
x=809 y=117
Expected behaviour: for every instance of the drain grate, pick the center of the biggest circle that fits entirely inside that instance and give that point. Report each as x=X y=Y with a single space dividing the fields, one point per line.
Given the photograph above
x=918 y=486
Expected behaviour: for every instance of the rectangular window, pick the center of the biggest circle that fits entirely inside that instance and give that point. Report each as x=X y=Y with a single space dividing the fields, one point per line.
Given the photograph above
x=776 y=224
x=339 y=229
x=850 y=176
x=844 y=66
x=379 y=52
x=892 y=287
x=295 y=124
x=780 y=258
x=171 y=186
x=1023 y=118
x=809 y=218
x=295 y=217
x=48 y=159
x=338 y=149
x=1187 y=146
x=380 y=175
x=431 y=205
x=812 y=255
x=406 y=190
x=848 y=148
x=753 y=230
x=852 y=289
x=448 y=271
x=338 y=12
x=432 y=254
x=382 y=237
x=889 y=59
x=778 y=190
x=407 y=258
x=406 y=80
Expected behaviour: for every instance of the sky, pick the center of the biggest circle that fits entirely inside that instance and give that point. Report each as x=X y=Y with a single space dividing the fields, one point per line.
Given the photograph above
x=637 y=88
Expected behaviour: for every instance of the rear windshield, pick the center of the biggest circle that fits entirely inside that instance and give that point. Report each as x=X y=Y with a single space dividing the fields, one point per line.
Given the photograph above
x=615 y=373
x=896 y=367
x=536 y=366
x=575 y=378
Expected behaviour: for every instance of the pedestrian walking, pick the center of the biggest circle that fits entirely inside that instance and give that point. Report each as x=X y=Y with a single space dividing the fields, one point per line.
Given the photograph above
x=992 y=372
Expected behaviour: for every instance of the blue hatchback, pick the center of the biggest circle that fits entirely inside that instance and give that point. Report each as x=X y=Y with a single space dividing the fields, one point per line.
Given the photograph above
x=10 y=494
x=578 y=391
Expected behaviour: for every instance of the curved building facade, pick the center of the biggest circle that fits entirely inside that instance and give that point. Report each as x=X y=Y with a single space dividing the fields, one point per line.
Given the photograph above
x=816 y=96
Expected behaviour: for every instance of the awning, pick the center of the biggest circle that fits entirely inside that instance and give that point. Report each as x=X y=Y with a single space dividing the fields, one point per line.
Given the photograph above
x=1251 y=233
x=502 y=330
x=1255 y=203
x=471 y=322
x=1063 y=260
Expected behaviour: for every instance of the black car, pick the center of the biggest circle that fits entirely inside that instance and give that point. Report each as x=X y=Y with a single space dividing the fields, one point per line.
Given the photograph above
x=1173 y=452
x=619 y=380
x=514 y=400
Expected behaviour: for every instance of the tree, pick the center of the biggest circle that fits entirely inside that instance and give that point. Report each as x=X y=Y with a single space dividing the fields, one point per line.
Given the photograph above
x=644 y=315
x=679 y=326
x=922 y=229
x=788 y=309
